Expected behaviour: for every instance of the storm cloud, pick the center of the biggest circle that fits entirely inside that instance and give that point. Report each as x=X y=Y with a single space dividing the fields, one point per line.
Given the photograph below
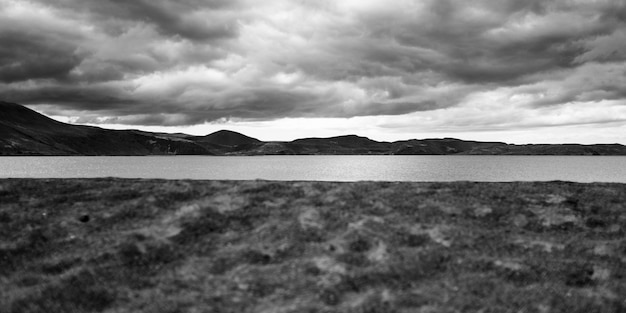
x=191 y=62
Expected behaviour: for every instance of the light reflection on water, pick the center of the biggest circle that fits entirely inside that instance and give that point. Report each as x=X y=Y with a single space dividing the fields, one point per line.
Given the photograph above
x=325 y=168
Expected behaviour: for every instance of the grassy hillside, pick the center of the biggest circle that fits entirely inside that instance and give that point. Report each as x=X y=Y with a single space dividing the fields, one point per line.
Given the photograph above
x=26 y=132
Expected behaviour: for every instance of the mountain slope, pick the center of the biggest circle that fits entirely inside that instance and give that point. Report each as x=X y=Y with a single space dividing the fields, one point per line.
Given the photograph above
x=26 y=132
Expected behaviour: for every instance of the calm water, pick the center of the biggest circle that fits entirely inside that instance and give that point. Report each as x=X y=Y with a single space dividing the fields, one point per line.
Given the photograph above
x=327 y=168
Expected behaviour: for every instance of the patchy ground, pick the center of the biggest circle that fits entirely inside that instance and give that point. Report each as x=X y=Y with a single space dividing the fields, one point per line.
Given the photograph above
x=129 y=245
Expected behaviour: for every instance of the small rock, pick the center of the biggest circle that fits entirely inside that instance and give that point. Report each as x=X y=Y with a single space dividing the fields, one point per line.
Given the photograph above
x=602 y=250
x=554 y=199
x=520 y=220
x=509 y=265
x=145 y=251
x=600 y=274
x=514 y=271
x=450 y=210
x=188 y=210
x=387 y=296
x=226 y=203
x=378 y=254
x=328 y=265
x=84 y=218
x=274 y=203
x=310 y=218
x=482 y=211
x=367 y=222
x=243 y=286
x=545 y=246
x=330 y=297
x=311 y=269
x=614 y=229
x=438 y=236
x=555 y=217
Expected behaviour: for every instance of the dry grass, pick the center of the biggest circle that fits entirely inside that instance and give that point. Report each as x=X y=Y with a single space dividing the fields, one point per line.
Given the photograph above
x=111 y=245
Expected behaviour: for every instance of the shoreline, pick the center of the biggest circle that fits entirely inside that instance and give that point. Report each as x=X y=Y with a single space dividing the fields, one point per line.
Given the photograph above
x=125 y=245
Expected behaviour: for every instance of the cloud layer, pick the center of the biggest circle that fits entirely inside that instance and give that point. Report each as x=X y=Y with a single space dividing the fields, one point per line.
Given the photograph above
x=475 y=65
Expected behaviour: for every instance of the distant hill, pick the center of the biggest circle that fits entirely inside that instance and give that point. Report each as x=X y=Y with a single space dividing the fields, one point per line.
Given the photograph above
x=446 y=146
x=226 y=138
x=26 y=132
x=350 y=144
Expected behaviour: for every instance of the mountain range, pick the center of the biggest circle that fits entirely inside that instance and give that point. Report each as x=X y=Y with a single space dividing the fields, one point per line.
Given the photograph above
x=26 y=132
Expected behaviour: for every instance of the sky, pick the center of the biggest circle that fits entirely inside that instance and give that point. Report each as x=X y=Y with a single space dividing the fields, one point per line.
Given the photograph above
x=532 y=71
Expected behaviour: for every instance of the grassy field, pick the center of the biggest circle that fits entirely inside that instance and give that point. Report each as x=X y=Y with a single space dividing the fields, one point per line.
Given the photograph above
x=128 y=245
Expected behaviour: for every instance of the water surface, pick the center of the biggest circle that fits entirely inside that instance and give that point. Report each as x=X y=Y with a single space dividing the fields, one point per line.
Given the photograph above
x=325 y=168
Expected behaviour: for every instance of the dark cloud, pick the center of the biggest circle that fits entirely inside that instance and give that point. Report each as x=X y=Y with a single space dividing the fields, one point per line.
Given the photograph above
x=176 y=18
x=159 y=62
x=607 y=48
x=492 y=44
x=592 y=82
x=88 y=98
x=93 y=72
x=25 y=56
x=477 y=42
x=192 y=19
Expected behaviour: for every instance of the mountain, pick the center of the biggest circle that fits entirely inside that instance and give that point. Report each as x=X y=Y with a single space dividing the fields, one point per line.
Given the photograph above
x=226 y=138
x=26 y=132
x=350 y=144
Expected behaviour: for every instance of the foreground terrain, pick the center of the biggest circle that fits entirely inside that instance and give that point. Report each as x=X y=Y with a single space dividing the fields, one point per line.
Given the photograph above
x=113 y=245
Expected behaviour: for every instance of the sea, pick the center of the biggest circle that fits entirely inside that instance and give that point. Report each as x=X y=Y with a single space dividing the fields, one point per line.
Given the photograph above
x=324 y=167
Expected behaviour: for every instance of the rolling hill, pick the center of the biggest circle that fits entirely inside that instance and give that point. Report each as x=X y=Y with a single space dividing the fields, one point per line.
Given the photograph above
x=226 y=138
x=26 y=132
